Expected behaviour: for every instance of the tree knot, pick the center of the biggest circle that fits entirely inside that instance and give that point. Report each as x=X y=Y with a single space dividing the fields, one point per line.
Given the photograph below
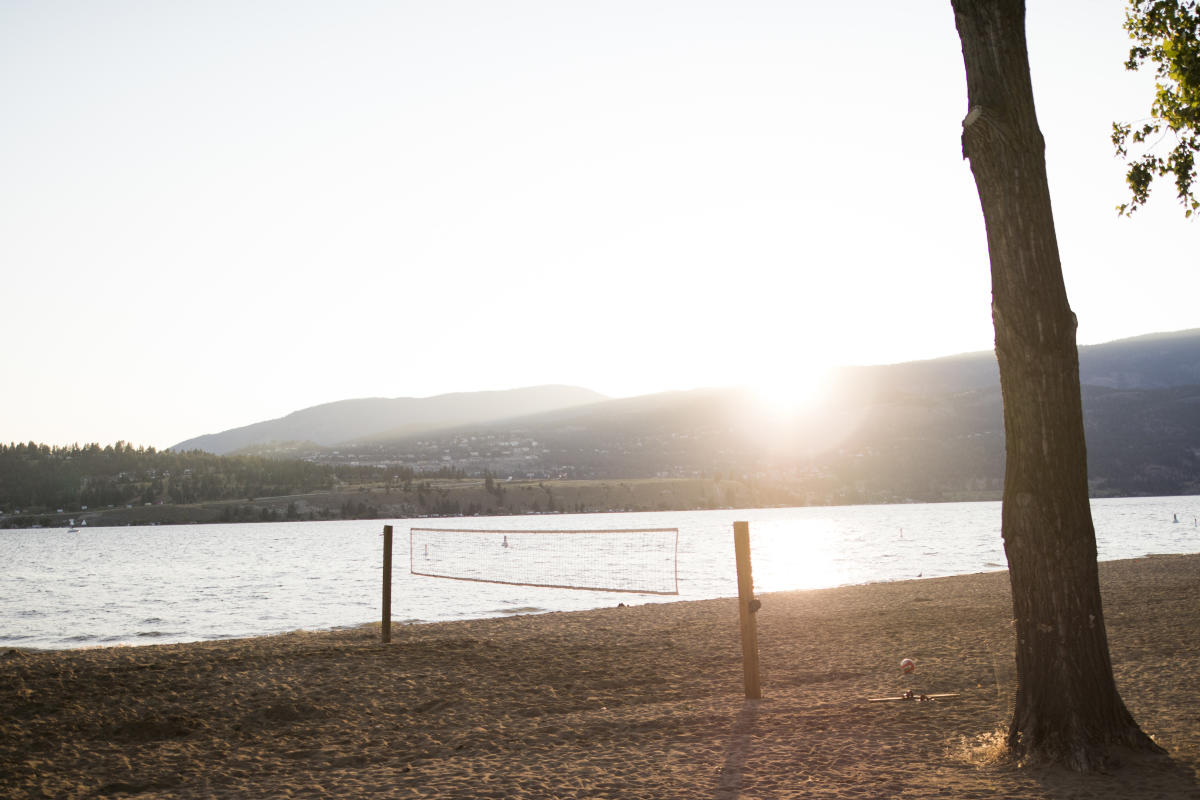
x=985 y=128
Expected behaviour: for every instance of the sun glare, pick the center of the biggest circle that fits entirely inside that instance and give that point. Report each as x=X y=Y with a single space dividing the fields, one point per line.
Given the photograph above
x=790 y=393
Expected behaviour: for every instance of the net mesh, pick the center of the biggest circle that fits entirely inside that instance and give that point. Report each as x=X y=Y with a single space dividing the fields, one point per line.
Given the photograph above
x=642 y=561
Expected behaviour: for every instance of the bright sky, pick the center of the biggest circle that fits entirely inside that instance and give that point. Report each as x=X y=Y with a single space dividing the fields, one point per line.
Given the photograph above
x=215 y=213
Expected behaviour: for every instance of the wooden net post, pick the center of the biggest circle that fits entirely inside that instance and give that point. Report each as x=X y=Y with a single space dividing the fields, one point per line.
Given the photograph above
x=747 y=607
x=386 y=626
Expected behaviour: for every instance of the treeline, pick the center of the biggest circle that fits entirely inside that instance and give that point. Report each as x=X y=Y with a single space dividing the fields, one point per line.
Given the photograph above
x=38 y=477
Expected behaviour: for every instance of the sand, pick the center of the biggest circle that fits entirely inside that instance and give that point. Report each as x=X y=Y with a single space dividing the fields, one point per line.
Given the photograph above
x=637 y=702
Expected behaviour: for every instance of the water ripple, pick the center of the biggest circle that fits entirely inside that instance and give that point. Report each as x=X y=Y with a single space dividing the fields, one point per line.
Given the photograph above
x=183 y=583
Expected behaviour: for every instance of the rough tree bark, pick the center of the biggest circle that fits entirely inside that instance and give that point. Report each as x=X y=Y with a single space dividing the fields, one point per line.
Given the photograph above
x=1068 y=709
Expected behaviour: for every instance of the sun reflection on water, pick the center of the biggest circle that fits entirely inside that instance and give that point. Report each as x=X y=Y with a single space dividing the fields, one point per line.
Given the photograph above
x=796 y=554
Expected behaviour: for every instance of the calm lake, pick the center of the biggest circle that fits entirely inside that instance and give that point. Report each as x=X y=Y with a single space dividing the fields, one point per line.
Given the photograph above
x=153 y=585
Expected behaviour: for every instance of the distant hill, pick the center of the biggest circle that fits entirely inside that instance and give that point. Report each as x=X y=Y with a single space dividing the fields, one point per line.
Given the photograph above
x=929 y=430
x=348 y=421
x=925 y=430
x=1152 y=361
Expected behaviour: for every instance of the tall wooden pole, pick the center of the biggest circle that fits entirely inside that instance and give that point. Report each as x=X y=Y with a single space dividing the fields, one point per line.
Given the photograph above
x=747 y=607
x=386 y=627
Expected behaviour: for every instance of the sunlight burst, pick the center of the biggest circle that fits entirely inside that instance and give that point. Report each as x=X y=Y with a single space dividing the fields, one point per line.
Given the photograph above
x=787 y=393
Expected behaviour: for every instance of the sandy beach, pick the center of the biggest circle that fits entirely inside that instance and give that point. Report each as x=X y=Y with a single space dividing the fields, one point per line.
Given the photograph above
x=633 y=702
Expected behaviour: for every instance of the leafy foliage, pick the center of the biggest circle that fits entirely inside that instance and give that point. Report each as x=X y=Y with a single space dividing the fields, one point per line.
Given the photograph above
x=1167 y=34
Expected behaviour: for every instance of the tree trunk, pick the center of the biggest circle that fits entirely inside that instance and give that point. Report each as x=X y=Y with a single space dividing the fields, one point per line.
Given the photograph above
x=1067 y=706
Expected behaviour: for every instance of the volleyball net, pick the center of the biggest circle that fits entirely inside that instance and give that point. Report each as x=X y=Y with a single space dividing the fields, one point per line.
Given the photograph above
x=639 y=561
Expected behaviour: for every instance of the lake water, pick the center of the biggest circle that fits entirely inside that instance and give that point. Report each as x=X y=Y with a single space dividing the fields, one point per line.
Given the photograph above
x=152 y=585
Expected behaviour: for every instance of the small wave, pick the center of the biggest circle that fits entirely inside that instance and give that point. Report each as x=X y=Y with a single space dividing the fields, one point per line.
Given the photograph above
x=151 y=621
x=994 y=564
x=519 y=610
x=153 y=634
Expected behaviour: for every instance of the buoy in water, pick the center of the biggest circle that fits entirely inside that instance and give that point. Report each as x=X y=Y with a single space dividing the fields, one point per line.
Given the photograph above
x=908 y=666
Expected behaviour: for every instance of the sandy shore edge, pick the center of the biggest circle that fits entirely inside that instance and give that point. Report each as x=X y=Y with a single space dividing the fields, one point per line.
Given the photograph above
x=635 y=702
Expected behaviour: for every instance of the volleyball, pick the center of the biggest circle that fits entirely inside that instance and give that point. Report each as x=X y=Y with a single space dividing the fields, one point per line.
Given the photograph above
x=908 y=666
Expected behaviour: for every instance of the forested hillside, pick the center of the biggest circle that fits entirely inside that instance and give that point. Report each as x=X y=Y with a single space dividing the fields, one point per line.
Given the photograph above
x=37 y=476
x=925 y=431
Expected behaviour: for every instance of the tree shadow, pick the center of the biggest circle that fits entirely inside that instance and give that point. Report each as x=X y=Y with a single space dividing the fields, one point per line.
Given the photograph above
x=731 y=779
x=1133 y=775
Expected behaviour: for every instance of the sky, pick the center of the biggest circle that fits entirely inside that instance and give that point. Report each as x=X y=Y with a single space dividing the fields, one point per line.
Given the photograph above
x=216 y=213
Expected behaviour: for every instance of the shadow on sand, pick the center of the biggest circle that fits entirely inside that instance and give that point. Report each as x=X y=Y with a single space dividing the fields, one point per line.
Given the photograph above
x=731 y=779
x=1136 y=775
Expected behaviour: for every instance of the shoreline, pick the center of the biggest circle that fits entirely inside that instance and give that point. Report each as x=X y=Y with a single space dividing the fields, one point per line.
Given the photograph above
x=637 y=496
x=397 y=623
x=281 y=592
x=640 y=701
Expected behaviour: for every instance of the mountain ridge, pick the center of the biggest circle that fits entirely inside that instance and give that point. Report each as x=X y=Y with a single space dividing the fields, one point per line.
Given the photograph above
x=346 y=421
x=1149 y=361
